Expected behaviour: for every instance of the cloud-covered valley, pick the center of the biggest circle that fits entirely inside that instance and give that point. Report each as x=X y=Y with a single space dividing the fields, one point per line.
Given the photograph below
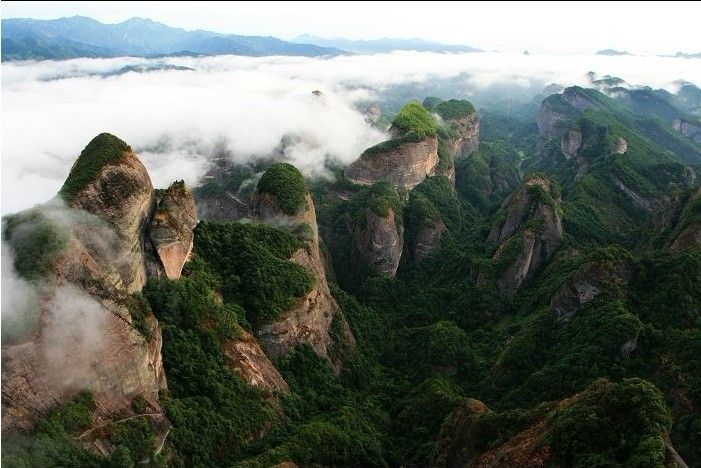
x=176 y=118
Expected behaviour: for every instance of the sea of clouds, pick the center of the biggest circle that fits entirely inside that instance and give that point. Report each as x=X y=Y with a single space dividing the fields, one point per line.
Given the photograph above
x=176 y=119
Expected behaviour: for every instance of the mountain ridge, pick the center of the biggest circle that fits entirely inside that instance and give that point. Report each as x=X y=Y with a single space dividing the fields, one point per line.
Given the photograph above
x=81 y=36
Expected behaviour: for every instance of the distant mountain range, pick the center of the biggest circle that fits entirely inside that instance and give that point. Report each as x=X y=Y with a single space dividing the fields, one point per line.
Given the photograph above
x=613 y=52
x=376 y=46
x=79 y=36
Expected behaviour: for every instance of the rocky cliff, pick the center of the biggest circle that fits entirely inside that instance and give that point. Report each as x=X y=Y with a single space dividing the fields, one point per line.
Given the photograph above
x=687 y=232
x=529 y=234
x=406 y=159
x=283 y=200
x=461 y=117
x=379 y=241
x=86 y=337
x=171 y=229
x=249 y=361
x=689 y=129
x=570 y=143
x=109 y=181
x=404 y=164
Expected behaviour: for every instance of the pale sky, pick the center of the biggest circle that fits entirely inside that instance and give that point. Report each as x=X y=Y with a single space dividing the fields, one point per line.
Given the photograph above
x=555 y=27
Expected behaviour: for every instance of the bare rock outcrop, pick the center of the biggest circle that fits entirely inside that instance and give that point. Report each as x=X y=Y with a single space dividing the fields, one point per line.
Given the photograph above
x=687 y=232
x=247 y=358
x=407 y=158
x=621 y=146
x=530 y=233
x=468 y=130
x=404 y=164
x=372 y=113
x=309 y=321
x=595 y=278
x=119 y=190
x=85 y=337
x=689 y=129
x=428 y=239
x=380 y=242
x=570 y=143
x=171 y=229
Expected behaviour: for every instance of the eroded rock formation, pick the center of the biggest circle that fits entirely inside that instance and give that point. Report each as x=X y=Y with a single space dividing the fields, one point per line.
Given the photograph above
x=171 y=229
x=530 y=233
x=380 y=242
x=405 y=164
x=85 y=337
x=310 y=319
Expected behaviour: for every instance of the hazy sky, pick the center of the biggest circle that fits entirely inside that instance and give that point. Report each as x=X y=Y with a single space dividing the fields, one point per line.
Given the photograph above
x=640 y=27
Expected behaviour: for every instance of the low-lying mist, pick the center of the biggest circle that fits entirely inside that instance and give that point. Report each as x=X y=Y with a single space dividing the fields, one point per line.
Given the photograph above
x=176 y=118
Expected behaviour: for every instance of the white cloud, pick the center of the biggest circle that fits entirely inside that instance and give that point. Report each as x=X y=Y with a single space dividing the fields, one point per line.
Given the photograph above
x=175 y=119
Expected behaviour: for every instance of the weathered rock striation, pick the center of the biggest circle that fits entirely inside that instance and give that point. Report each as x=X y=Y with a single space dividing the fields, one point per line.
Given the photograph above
x=530 y=233
x=85 y=337
x=171 y=229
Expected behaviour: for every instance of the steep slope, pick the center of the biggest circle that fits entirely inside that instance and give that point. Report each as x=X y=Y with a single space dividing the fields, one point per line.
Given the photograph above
x=283 y=200
x=91 y=333
x=406 y=159
x=171 y=228
x=528 y=234
x=627 y=422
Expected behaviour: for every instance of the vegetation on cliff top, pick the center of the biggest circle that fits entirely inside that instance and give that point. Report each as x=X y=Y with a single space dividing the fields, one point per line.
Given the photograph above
x=455 y=109
x=102 y=150
x=286 y=184
x=415 y=121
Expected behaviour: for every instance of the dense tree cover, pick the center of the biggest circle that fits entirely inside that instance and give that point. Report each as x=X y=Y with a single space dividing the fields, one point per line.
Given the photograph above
x=251 y=264
x=414 y=120
x=454 y=109
x=434 y=339
x=286 y=184
x=102 y=150
x=412 y=123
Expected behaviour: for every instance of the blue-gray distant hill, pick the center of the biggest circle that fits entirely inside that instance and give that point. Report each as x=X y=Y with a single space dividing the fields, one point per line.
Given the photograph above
x=79 y=36
x=376 y=46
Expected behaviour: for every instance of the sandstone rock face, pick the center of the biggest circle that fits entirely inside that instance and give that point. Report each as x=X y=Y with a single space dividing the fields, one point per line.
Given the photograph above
x=570 y=143
x=690 y=130
x=534 y=225
x=550 y=121
x=310 y=319
x=621 y=146
x=123 y=195
x=637 y=199
x=171 y=228
x=380 y=243
x=590 y=281
x=85 y=338
x=428 y=239
x=404 y=166
x=468 y=135
x=577 y=99
x=116 y=365
x=247 y=358
x=687 y=233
